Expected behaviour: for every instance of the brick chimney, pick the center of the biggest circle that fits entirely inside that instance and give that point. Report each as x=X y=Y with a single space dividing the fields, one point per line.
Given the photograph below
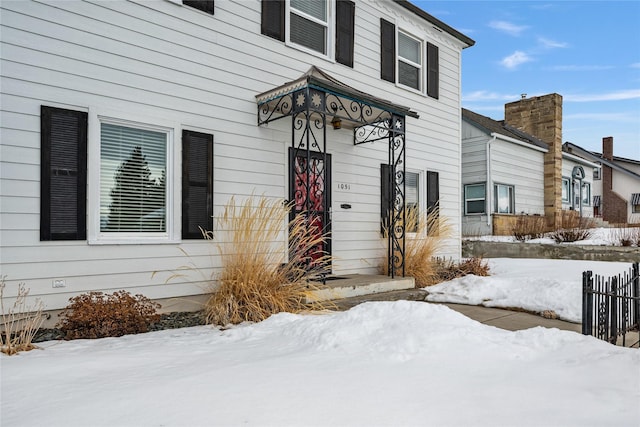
x=607 y=147
x=541 y=116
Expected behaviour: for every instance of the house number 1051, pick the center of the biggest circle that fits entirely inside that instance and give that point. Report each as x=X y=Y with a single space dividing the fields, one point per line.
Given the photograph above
x=343 y=186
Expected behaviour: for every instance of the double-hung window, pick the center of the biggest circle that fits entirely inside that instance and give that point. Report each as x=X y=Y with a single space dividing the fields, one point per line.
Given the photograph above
x=133 y=174
x=474 y=199
x=324 y=27
x=412 y=200
x=409 y=61
x=309 y=24
x=413 y=63
x=504 y=200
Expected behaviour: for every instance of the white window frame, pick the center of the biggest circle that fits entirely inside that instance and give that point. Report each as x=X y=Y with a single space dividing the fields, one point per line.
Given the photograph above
x=329 y=25
x=95 y=235
x=586 y=198
x=512 y=198
x=484 y=199
x=419 y=66
x=567 y=181
x=597 y=174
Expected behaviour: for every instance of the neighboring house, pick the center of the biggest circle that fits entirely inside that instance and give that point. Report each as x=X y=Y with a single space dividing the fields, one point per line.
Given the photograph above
x=128 y=125
x=515 y=167
x=616 y=189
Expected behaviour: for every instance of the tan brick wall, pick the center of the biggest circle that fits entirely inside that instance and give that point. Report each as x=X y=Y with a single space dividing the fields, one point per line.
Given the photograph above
x=541 y=116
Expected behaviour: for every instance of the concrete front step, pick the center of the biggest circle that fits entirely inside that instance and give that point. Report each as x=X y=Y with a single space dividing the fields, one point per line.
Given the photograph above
x=353 y=285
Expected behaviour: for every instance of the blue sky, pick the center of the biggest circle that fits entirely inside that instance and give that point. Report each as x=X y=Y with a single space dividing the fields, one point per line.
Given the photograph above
x=587 y=51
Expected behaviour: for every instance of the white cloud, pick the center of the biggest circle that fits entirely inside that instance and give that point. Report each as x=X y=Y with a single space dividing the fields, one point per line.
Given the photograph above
x=551 y=44
x=483 y=95
x=580 y=67
x=605 y=117
x=508 y=27
x=609 y=96
x=515 y=59
x=636 y=65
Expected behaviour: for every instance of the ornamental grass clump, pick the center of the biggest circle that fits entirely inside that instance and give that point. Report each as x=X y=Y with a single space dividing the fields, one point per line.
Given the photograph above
x=425 y=237
x=574 y=228
x=257 y=280
x=20 y=322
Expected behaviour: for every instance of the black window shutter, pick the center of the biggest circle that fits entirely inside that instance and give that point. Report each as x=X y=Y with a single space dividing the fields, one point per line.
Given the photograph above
x=345 y=22
x=387 y=51
x=63 y=174
x=433 y=194
x=203 y=5
x=273 y=19
x=433 y=71
x=385 y=201
x=197 y=184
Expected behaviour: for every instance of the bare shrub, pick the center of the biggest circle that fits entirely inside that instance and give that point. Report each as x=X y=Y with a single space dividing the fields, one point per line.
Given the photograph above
x=529 y=227
x=421 y=246
x=449 y=270
x=574 y=228
x=20 y=322
x=256 y=279
x=99 y=315
x=626 y=236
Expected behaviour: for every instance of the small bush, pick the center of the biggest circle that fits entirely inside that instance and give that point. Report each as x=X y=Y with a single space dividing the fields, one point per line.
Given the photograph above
x=571 y=235
x=626 y=236
x=529 y=227
x=19 y=323
x=449 y=270
x=98 y=315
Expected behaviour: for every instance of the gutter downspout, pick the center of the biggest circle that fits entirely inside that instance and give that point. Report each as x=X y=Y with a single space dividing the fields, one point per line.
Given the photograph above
x=489 y=186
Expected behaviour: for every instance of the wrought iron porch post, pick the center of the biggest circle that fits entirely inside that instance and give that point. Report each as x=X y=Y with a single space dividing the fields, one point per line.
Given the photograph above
x=397 y=162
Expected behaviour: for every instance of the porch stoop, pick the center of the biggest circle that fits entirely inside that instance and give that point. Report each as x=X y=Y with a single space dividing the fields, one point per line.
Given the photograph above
x=353 y=285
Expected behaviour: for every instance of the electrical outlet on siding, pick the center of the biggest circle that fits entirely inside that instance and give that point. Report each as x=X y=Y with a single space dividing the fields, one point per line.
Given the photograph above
x=59 y=283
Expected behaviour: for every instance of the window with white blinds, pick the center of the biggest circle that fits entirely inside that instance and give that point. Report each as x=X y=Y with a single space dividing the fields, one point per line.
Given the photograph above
x=409 y=61
x=133 y=168
x=309 y=24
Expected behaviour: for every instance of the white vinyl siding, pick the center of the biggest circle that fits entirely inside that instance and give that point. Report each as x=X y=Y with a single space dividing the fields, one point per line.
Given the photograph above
x=176 y=68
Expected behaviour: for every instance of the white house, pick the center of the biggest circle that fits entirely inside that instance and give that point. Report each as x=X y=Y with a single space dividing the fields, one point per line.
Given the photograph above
x=507 y=170
x=126 y=125
x=616 y=185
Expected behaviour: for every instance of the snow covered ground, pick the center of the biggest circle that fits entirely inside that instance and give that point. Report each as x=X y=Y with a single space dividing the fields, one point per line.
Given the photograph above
x=378 y=364
x=600 y=236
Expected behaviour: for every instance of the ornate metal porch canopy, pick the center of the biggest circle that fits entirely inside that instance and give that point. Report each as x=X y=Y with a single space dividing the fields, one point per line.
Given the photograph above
x=309 y=101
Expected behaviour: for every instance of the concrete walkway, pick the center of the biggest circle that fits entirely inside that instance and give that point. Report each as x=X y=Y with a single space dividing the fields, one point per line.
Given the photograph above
x=504 y=319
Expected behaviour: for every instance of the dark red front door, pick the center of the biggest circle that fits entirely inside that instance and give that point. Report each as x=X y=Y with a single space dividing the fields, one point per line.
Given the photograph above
x=310 y=192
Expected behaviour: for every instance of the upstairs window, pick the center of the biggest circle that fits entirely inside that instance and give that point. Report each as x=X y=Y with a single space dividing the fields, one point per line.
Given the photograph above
x=596 y=173
x=406 y=65
x=310 y=24
x=409 y=61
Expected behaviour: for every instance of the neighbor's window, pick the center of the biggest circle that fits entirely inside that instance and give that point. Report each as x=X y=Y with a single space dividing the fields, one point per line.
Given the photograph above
x=504 y=201
x=474 y=199
x=309 y=24
x=566 y=190
x=133 y=167
x=635 y=202
x=596 y=173
x=409 y=61
x=586 y=194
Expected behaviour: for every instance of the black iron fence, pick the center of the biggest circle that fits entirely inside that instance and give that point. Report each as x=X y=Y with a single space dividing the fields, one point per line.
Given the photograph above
x=611 y=306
